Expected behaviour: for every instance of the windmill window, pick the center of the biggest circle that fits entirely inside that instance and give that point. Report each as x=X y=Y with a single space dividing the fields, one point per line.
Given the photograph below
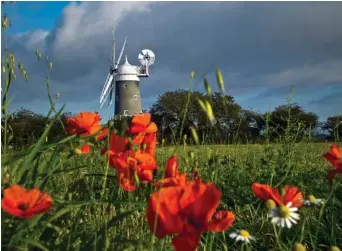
x=135 y=97
x=125 y=112
x=125 y=85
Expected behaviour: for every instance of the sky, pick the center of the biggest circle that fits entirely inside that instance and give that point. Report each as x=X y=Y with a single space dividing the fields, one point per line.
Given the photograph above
x=262 y=48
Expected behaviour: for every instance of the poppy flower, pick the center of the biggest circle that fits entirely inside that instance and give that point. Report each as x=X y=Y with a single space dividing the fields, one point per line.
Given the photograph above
x=266 y=192
x=187 y=211
x=171 y=167
x=83 y=124
x=141 y=123
x=84 y=150
x=127 y=162
x=22 y=203
x=179 y=180
x=334 y=157
x=86 y=124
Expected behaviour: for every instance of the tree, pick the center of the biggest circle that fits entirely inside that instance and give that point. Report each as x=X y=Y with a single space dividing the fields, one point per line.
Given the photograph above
x=169 y=109
x=333 y=125
x=27 y=126
x=292 y=118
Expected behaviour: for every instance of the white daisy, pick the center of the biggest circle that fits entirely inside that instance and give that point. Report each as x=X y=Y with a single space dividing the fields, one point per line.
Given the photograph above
x=285 y=215
x=241 y=235
x=313 y=201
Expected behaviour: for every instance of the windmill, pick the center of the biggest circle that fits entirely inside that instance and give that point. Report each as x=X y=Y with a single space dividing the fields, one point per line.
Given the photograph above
x=124 y=80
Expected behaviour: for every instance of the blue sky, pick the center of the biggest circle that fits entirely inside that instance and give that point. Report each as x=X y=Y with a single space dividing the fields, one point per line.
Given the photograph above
x=263 y=49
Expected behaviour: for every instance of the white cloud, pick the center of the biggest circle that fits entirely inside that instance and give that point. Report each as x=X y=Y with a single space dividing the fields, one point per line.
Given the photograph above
x=309 y=74
x=83 y=27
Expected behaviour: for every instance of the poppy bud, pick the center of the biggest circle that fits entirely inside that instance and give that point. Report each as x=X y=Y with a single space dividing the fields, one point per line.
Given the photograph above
x=334 y=248
x=195 y=173
x=270 y=204
x=78 y=151
x=171 y=167
x=192 y=74
x=298 y=247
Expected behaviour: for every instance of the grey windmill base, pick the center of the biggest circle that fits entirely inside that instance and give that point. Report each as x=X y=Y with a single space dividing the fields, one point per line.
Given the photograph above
x=127 y=99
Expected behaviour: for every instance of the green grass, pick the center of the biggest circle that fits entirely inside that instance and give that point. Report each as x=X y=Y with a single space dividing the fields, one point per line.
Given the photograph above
x=92 y=213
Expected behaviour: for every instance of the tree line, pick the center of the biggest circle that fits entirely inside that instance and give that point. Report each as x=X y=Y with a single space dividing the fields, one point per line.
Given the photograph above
x=175 y=112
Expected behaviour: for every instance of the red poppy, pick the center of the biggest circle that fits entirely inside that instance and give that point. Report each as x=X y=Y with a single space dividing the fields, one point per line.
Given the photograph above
x=141 y=123
x=179 y=180
x=334 y=157
x=127 y=162
x=171 y=167
x=83 y=124
x=187 y=211
x=86 y=124
x=22 y=203
x=266 y=192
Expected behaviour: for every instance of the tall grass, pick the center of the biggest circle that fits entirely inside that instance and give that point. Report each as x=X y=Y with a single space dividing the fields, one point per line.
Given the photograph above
x=90 y=212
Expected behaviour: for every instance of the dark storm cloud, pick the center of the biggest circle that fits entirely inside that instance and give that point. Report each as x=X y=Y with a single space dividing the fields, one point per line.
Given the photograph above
x=256 y=45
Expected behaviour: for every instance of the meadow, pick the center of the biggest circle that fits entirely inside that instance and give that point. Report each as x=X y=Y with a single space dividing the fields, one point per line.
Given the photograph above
x=90 y=211
x=105 y=188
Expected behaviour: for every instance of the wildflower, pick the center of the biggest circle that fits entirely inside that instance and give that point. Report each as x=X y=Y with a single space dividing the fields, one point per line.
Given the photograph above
x=129 y=163
x=86 y=124
x=141 y=123
x=312 y=200
x=291 y=194
x=22 y=203
x=145 y=130
x=84 y=150
x=187 y=211
x=285 y=215
x=298 y=247
x=334 y=157
x=241 y=235
x=171 y=167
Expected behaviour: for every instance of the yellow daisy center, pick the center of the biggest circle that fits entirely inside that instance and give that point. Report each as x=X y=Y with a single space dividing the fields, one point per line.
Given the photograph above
x=312 y=198
x=244 y=233
x=284 y=212
x=270 y=204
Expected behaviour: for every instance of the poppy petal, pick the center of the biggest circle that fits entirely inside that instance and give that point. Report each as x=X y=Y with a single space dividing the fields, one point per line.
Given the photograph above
x=265 y=192
x=334 y=161
x=85 y=149
x=199 y=201
x=332 y=173
x=162 y=212
x=336 y=151
x=186 y=241
x=151 y=128
x=292 y=194
x=221 y=221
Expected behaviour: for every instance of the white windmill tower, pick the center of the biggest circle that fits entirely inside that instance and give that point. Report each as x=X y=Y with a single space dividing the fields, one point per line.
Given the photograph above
x=126 y=80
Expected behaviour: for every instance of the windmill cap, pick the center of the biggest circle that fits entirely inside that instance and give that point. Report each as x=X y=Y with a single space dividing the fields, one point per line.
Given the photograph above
x=127 y=69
